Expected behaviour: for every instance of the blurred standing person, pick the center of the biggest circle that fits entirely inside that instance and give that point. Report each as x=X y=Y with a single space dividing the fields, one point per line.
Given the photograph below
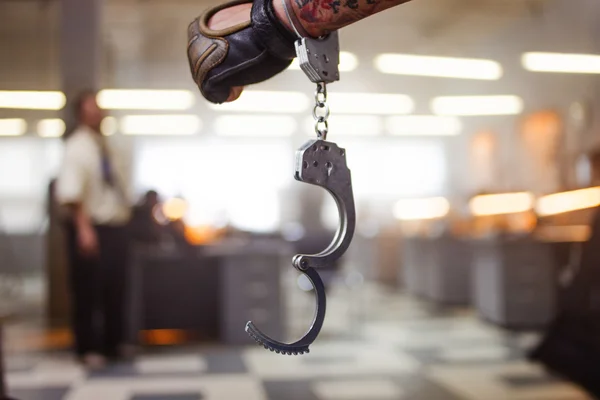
x=97 y=215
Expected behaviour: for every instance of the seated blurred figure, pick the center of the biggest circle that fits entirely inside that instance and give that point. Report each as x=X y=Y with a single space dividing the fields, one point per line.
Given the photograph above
x=144 y=227
x=97 y=214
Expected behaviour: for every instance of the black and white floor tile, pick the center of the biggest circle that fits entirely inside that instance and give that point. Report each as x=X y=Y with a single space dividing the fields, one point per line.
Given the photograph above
x=397 y=349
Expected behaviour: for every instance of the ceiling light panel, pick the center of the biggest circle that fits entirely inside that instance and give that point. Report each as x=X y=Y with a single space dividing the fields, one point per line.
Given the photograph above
x=109 y=126
x=370 y=103
x=421 y=209
x=498 y=204
x=160 y=125
x=12 y=127
x=255 y=125
x=349 y=125
x=32 y=100
x=443 y=67
x=125 y=99
x=423 y=125
x=51 y=128
x=477 y=105
x=575 y=200
x=562 y=63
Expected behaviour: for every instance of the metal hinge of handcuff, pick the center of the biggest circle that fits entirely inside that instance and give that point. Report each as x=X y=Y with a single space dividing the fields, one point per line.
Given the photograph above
x=320 y=163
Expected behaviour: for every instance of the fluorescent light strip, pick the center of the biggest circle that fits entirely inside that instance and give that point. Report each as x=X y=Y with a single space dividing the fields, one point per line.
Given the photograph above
x=421 y=209
x=32 y=100
x=145 y=99
x=266 y=101
x=349 y=125
x=498 y=204
x=255 y=125
x=561 y=62
x=51 y=128
x=12 y=127
x=443 y=67
x=109 y=126
x=568 y=201
x=348 y=62
x=160 y=125
x=423 y=125
x=370 y=103
x=477 y=105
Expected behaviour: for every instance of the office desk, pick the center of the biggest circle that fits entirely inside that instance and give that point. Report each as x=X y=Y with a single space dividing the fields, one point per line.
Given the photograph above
x=438 y=269
x=449 y=275
x=210 y=290
x=173 y=289
x=250 y=278
x=514 y=281
x=416 y=263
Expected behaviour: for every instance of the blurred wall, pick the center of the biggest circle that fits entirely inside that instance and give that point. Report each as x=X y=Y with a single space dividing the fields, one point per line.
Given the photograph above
x=144 y=46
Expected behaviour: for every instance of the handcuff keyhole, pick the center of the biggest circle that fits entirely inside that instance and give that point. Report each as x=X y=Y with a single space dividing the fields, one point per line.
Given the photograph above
x=329 y=167
x=315 y=163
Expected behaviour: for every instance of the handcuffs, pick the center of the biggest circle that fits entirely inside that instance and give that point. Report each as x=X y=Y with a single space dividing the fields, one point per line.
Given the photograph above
x=321 y=163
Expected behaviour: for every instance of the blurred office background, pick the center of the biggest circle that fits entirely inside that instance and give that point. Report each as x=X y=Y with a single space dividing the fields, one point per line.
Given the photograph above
x=471 y=129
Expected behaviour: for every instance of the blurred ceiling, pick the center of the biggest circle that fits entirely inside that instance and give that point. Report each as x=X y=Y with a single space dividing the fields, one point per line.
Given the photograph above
x=145 y=43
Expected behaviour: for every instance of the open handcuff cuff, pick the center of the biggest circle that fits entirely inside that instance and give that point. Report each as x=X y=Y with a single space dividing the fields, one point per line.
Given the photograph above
x=321 y=163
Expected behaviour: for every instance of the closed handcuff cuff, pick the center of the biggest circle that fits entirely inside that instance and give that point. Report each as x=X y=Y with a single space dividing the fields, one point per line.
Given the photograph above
x=321 y=163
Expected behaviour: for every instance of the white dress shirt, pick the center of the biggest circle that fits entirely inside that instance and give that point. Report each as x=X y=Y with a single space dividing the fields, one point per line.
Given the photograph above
x=81 y=180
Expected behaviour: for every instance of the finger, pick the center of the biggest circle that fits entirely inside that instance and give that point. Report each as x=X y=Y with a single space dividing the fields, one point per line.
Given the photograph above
x=235 y=93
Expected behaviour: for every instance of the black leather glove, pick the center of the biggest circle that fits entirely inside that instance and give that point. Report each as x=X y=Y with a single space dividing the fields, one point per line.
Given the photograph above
x=244 y=54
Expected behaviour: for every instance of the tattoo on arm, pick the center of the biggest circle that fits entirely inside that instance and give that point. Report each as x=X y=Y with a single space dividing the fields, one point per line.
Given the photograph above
x=322 y=16
x=352 y=4
x=335 y=5
x=302 y=3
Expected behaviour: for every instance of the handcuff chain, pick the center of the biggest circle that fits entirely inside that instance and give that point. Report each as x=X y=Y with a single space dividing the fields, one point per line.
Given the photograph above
x=321 y=117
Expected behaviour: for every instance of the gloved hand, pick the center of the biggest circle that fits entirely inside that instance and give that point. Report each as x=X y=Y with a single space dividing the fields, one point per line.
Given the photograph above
x=244 y=54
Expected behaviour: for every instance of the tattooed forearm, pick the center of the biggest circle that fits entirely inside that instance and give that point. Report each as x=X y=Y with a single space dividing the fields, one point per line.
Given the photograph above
x=321 y=16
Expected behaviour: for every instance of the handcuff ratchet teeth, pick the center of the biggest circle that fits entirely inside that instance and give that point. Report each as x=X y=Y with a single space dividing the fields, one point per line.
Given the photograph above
x=319 y=163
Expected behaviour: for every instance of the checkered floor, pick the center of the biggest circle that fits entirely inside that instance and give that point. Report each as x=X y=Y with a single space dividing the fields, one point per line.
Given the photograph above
x=376 y=346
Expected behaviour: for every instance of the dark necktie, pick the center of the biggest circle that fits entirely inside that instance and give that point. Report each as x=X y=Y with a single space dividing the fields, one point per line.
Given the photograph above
x=107 y=170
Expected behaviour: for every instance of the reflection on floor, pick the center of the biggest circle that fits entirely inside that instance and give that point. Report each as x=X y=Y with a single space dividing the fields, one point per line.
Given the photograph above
x=376 y=346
